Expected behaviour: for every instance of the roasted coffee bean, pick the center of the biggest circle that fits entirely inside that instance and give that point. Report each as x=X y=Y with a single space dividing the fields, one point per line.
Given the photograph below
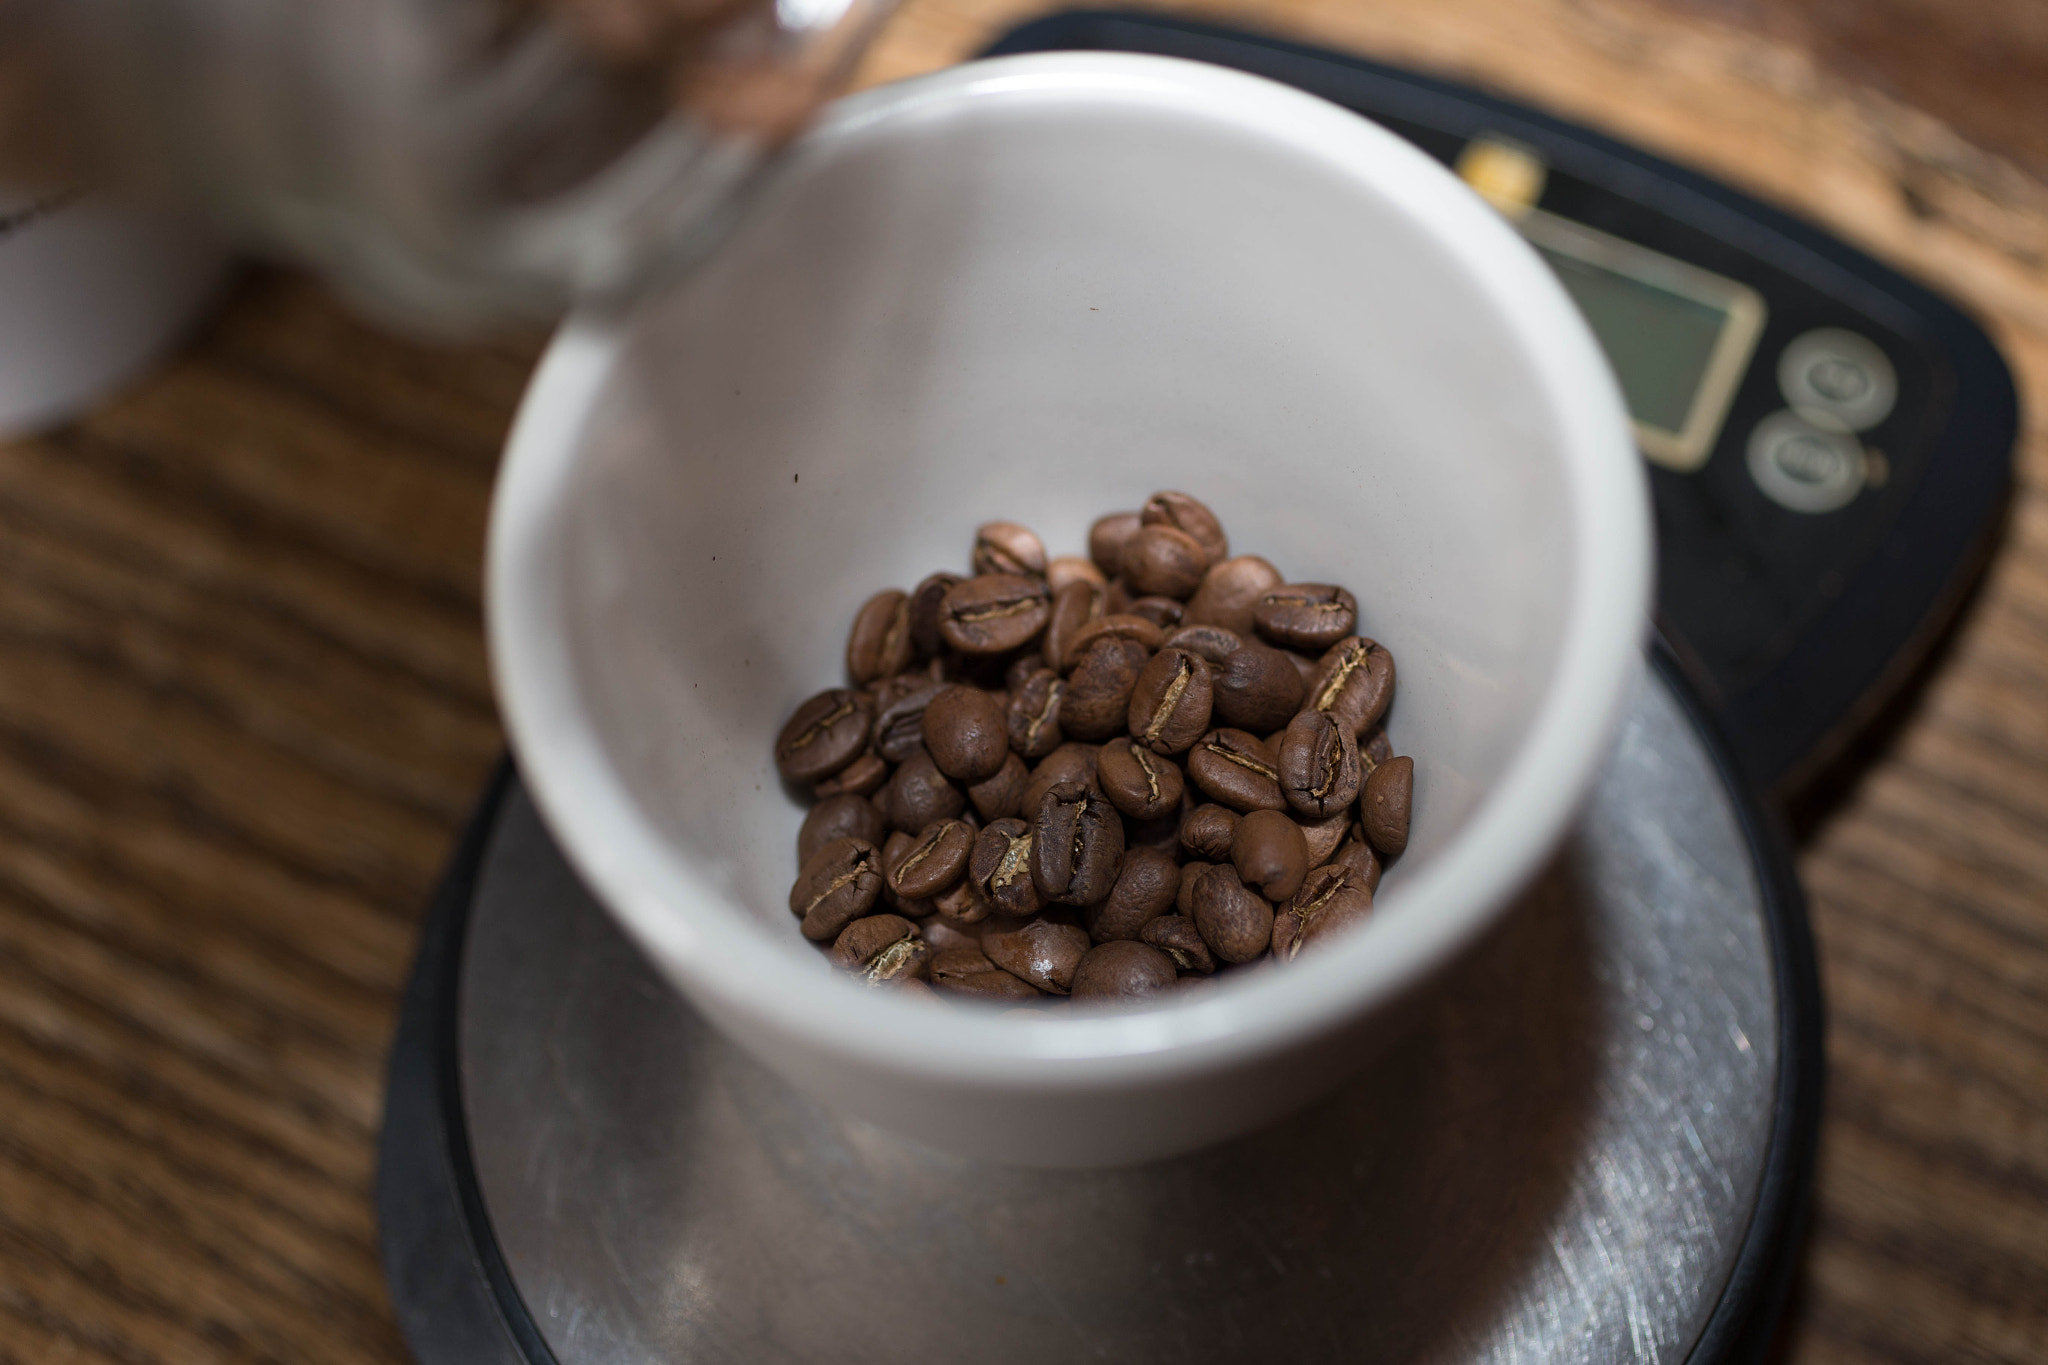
x=1208 y=832
x=912 y=907
x=1097 y=700
x=1000 y=868
x=1106 y=540
x=1331 y=900
x=1237 y=770
x=1177 y=937
x=1230 y=590
x=1032 y=720
x=899 y=726
x=1072 y=761
x=1184 y=513
x=965 y=733
x=1213 y=643
x=838 y=817
x=1234 y=920
x=946 y=930
x=1160 y=561
x=1116 y=598
x=1191 y=875
x=1303 y=665
x=961 y=903
x=1066 y=569
x=1003 y=794
x=919 y=795
x=883 y=949
x=1123 y=971
x=993 y=613
x=879 y=644
x=1169 y=708
x=925 y=600
x=1120 y=624
x=1356 y=854
x=1077 y=845
x=1306 y=615
x=827 y=732
x=838 y=884
x=1384 y=810
x=968 y=972
x=1042 y=953
x=1162 y=612
x=862 y=777
x=1375 y=749
x=1162 y=831
x=1319 y=769
x=1269 y=854
x=1325 y=836
x=935 y=861
x=1144 y=890
x=1073 y=607
x=1138 y=782
x=1006 y=547
x=1353 y=681
x=1257 y=688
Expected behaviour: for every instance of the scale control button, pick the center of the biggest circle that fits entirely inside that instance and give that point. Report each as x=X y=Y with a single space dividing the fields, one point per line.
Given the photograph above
x=1803 y=467
x=1834 y=376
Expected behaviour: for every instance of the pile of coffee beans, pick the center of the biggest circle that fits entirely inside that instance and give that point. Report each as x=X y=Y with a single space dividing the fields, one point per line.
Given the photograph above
x=1103 y=777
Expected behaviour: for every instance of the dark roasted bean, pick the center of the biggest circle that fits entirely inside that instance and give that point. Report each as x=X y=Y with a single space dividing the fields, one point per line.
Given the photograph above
x=862 y=777
x=838 y=817
x=1353 y=681
x=1162 y=612
x=925 y=601
x=1077 y=845
x=968 y=972
x=1208 y=832
x=1006 y=547
x=1123 y=971
x=885 y=950
x=1319 y=769
x=1145 y=888
x=1002 y=794
x=1169 y=707
x=935 y=861
x=1229 y=591
x=899 y=726
x=1177 y=937
x=1389 y=792
x=1121 y=624
x=1041 y=952
x=827 y=732
x=1191 y=875
x=1065 y=569
x=1306 y=616
x=1073 y=607
x=1032 y=721
x=1137 y=781
x=1236 y=769
x=1269 y=854
x=1184 y=513
x=1213 y=643
x=1257 y=688
x=1106 y=540
x=1235 y=921
x=913 y=907
x=879 y=644
x=1325 y=836
x=1000 y=868
x=1331 y=900
x=965 y=733
x=1072 y=761
x=1161 y=561
x=1097 y=700
x=838 y=885
x=993 y=613
x=920 y=794
x=961 y=903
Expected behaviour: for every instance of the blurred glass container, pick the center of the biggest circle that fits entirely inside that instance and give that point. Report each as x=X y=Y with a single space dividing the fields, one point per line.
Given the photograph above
x=448 y=162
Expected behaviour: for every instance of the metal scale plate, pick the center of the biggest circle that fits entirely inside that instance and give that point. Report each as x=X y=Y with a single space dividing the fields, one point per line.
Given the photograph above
x=1591 y=1147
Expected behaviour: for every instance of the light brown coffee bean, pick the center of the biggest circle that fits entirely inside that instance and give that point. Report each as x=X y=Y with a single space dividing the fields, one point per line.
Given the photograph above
x=1160 y=561
x=1236 y=769
x=942 y=931
x=1234 y=920
x=1073 y=607
x=1213 y=643
x=1106 y=539
x=1191 y=874
x=879 y=644
x=1319 y=769
x=1065 y=569
x=1006 y=547
x=839 y=884
x=827 y=732
x=1002 y=794
x=1177 y=937
x=1043 y=953
x=993 y=613
x=1269 y=854
x=1230 y=590
x=1123 y=971
x=1169 y=706
x=935 y=860
x=1330 y=901
x=1257 y=688
x=1356 y=854
x=1306 y=616
x=1325 y=836
x=1077 y=845
x=1138 y=782
x=1032 y=721
x=862 y=777
x=1187 y=514
x=883 y=949
x=1354 y=681
x=967 y=972
x=966 y=734
x=1120 y=624
x=1162 y=612
x=1208 y=831
x=1000 y=868
x=1389 y=793
x=960 y=903
x=1097 y=701
x=839 y=817
x=920 y=794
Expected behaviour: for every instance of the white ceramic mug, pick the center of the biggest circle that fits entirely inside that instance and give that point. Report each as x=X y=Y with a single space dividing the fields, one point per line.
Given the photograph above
x=1040 y=288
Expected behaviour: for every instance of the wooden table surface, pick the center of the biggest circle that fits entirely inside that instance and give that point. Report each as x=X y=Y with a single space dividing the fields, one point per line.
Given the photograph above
x=243 y=709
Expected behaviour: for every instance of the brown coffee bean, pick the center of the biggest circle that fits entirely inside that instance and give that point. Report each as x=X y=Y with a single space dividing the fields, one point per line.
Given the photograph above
x=1169 y=707
x=968 y=972
x=1303 y=665
x=1120 y=624
x=1184 y=513
x=1235 y=921
x=935 y=860
x=1306 y=615
x=925 y=601
x=1032 y=721
x=1389 y=792
x=1191 y=874
x=1116 y=598
x=1000 y=868
x=1073 y=607
x=1003 y=794
x=1356 y=854
x=1138 y=782
x=1354 y=681
x=839 y=817
x=883 y=949
x=1325 y=836
x=1269 y=854
x=1230 y=590
x=1077 y=845
x=1160 y=561
x=911 y=907
x=1161 y=832
x=862 y=777
x=879 y=644
x=993 y=613
x=1123 y=971
x=1162 y=612
x=1006 y=547
x=919 y=795
x=1213 y=643
x=1319 y=769
x=838 y=884
x=1237 y=770
x=1208 y=831
x=1257 y=688
x=1042 y=953
x=1072 y=761
x=944 y=932
x=1144 y=890
x=960 y=903
x=827 y=732
x=1331 y=900
x=965 y=733
x=1066 y=569
x=1375 y=749
x=1097 y=700
x=899 y=725
x=1177 y=937
x=1106 y=540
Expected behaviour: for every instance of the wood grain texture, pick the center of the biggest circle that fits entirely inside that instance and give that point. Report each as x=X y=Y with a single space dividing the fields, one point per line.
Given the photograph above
x=243 y=708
